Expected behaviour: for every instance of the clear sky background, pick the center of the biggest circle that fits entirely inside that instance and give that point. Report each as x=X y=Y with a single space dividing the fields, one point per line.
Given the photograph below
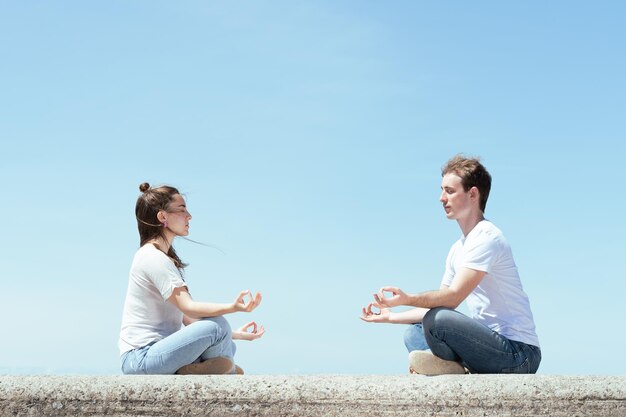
x=308 y=138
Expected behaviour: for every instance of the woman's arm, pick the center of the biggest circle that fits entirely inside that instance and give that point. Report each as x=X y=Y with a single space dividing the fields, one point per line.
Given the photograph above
x=196 y=310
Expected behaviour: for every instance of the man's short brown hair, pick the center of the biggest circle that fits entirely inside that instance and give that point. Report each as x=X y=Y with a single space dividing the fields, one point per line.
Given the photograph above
x=472 y=173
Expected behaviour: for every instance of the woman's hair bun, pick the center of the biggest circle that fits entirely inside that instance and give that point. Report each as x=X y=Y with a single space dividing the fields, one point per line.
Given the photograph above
x=144 y=187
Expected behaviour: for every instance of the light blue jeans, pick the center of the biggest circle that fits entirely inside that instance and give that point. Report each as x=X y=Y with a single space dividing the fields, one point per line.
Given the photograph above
x=201 y=340
x=453 y=336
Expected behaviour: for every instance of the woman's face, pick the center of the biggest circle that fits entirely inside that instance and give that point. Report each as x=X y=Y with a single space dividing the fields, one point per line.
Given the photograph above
x=177 y=216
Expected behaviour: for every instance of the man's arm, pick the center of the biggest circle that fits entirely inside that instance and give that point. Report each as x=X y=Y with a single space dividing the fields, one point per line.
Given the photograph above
x=463 y=284
x=412 y=316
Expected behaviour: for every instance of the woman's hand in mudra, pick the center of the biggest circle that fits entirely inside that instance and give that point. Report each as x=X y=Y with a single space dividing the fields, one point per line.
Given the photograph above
x=241 y=304
x=248 y=331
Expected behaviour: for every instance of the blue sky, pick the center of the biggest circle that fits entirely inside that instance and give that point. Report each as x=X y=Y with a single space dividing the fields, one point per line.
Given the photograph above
x=308 y=137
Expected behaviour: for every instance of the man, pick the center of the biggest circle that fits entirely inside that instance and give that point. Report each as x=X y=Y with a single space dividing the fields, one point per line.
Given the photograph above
x=499 y=336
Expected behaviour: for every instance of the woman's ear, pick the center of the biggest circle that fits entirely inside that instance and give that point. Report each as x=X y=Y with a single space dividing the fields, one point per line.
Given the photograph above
x=161 y=216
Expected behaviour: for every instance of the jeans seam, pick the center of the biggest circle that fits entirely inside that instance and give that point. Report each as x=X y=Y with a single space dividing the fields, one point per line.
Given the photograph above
x=183 y=345
x=474 y=340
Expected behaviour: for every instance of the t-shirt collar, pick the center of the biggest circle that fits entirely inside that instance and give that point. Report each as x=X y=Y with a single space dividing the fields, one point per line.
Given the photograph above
x=474 y=230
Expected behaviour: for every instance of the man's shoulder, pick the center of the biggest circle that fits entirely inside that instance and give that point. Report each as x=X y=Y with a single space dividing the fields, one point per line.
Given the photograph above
x=486 y=232
x=487 y=228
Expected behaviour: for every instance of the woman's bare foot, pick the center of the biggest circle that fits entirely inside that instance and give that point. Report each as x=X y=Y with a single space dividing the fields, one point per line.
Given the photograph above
x=213 y=366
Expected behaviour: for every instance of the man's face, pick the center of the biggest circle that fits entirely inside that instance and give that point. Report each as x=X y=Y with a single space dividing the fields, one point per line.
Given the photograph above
x=456 y=202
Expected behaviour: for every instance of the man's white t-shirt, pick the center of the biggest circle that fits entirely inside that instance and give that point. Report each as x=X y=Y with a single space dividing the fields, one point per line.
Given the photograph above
x=148 y=316
x=499 y=301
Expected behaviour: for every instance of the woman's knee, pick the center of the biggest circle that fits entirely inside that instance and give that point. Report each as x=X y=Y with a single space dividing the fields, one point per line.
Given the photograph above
x=217 y=325
x=221 y=344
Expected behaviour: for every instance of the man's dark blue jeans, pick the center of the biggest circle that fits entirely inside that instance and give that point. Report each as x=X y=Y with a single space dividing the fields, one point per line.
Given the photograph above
x=453 y=336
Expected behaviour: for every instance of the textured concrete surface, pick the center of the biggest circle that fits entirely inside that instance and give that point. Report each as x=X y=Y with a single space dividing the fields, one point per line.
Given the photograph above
x=332 y=395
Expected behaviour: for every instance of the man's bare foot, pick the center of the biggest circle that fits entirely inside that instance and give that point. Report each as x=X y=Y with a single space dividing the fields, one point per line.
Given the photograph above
x=425 y=363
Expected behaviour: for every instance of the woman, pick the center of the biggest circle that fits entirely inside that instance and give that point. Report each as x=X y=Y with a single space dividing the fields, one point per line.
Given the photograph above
x=164 y=330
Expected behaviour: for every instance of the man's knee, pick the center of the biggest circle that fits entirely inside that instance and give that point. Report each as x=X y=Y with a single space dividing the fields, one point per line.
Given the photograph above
x=414 y=338
x=437 y=316
x=413 y=332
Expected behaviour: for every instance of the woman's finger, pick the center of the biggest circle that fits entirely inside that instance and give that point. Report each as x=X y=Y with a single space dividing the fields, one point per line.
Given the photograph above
x=246 y=326
x=240 y=298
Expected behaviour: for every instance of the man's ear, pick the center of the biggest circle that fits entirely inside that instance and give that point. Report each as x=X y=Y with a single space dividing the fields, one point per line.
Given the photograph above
x=474 y=193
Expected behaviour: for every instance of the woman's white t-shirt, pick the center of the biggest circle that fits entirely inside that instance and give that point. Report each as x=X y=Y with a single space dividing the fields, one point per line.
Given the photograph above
x=148 y=316
x=499 y=301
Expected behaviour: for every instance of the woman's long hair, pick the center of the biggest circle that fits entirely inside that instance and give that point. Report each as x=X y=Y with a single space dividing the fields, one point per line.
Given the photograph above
x=149 y=203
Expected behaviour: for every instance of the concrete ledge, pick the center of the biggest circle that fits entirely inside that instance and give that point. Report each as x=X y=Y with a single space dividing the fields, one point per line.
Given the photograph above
x=332 y=395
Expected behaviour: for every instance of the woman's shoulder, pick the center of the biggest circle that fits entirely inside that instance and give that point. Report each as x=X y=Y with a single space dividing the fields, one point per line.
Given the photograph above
x=150 y=254
x=147 y=250
x=151 y=267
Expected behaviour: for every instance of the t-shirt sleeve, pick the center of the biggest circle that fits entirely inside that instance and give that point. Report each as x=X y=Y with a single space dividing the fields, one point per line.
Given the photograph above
x=480 y=253
x=164 y=274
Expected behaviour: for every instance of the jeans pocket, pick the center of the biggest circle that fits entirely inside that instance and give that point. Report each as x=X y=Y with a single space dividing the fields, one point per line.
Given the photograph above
x=535 y=359
x=132 y=362
x=523 y=368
